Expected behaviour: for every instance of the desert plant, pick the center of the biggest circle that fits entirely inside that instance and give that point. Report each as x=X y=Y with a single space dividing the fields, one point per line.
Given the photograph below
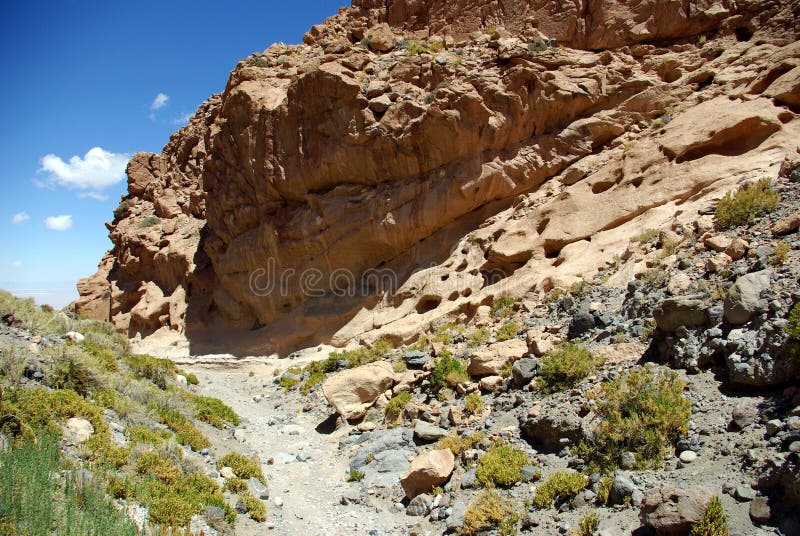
x=745 y=204
x=478 y=336
x=781 y=254
x=242 y=466
x=396 y=405
x=185 y=432
x=507 y=331
x=501 y=307
x=313 y=379
x=355 y=476
x=414 y=48
x=158 y=371
x=642 y=411
x=447 y=371
x=214 y=411
x=363 y=354
x=255 y=507
x=604 y=489
x=489 y=511
x=459 y=444
x=713 y=522
x=563 y=484
x=501 y=465
x=792 y=327
x=473 y=403
x=564 y=366
x=123 y=208
x=648 y=235
x=587 y=525
x=149 y=221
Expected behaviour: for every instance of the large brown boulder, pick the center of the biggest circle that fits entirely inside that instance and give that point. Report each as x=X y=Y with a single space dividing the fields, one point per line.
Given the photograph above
x=490 y=361
x=672 y=511
x=428 y=470
x=352 y=392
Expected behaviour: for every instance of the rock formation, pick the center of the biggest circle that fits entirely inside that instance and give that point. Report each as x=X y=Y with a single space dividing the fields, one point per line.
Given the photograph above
x=412 y=162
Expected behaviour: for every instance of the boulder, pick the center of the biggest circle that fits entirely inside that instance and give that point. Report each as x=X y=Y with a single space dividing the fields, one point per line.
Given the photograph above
x=744 y=297
x=352 y=391
x=428 y=470
x=420 y=505
x=381 y=38
x=672 y=511
x=549 y=428
x=78 y=430
x=523 y=371
x=491 y=383
x=491 y=360
x=786 y=225
x=680 y=311
x=427 y=432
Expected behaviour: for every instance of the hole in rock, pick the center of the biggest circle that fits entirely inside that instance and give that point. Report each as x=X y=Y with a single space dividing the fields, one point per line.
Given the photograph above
x=453 y=296
x=466 y=292
x=743 y=34
x=428 y=303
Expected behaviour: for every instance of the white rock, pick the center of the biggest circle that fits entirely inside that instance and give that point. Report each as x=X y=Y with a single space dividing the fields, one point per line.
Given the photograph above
x=688 y=456
x=181 y=379
x=78 y=430
x=74 y=336
x=227 y=472
x=278 y=502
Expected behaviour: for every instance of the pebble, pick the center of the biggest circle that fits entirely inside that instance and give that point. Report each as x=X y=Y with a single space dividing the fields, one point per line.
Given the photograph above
x=278 y=502
x=688 y=456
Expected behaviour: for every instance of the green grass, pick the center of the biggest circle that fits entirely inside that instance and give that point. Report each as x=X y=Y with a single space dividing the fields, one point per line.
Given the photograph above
x=149 y=221
x=159 y=371
x=363 y=354
x=507 y=331
x=642 y=411
x=235 y=485
x=563 y=484
x=501 y=307
x=460 y=444
x=490 y=511
x=501 y=466
x=214 y=411
x=144 y=435
x=713 y=522
x=445 y=333
x=648 y=235
x=396 y=405
x=565 y=366
x=355 y=476
x=33 y=500
x=447 y=372
x=478 y=336
x=473 y=403
x=313 y=379
x=792 y=328
x=742 y=207
x=588 y=524
x=242 y=466
x=185 y=432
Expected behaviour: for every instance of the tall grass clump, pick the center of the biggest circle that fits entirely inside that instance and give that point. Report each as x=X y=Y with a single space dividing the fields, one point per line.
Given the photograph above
x=564 y=366
x=742 y=207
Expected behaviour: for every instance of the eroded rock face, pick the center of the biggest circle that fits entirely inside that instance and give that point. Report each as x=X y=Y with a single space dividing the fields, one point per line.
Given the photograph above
x=346 y=189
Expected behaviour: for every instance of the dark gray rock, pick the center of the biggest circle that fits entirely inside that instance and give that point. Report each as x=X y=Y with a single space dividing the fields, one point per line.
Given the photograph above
x=468 y=480
x=213 y=513
x=523 y=371
x=416 y=358
x=680 y=311
x=549 y=428
x=456 y=518
x=428 y=433
x=257 y=488
x=582 y=322
x=621 y=487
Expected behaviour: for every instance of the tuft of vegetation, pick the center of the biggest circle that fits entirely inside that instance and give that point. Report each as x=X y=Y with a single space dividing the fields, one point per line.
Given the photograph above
x=501 y=465
x=490 y=511
x=502 y=307
x=214 y=411
x=478 y=336
x=713 y=522
x=242 y=466
x=142 y=435
x=642 y=411
x=459 y=444
x=781 y=254
x=414 y=48
x=792 y=328
x=159 y=371
x=588 y=524
x=446 y=333
x=473 y=403
x=255 y=507
x=185 y=432
x=171 y=510
x=604 y=489
x=646 y=236
x=154 y=464
x=742 y=206
x=235 y=485
x=355 y=476
x=287 y=382
x=313 y=379
x=124 y=208
x=396 y=405
x=507 y=331
x=363 y=354
x=33 y=500
x=149 y=221
x=447 y=371
x=564 y=366
x=560 y=485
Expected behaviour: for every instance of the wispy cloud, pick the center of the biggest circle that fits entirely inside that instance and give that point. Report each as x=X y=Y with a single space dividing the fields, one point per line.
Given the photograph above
x=20 y=217
x=97 y=170
x=182 y=119
x=16 y=264
x=94 y=195
x=58 y=223
x=160 y=101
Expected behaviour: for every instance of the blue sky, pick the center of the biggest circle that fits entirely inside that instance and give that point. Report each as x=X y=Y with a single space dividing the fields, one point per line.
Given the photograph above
x=85 y=85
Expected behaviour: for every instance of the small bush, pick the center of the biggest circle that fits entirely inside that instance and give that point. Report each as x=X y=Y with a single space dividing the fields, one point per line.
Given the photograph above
x=363 y=355
x=124 y=208
x=185 y=432
x=742 y=206
x=355 y=476
x=158 y=371
x=255 y=507
x=140 y=434
x=459 y=444
x=792 y=328
x=13 y=362
x=235 y=485
x=604 y=489
x=447 y=371
x=171 y=511
x=501 y=465
x=487 y=512
x=648 y=235
x=713 y=522
x=153 y=464
x=563 y=484
x=642 y=411
x=565 y=366
x=588 y=524
x=478 y=336
x=780 y=255
x=414 y=48
x=191 y=379
x=473 y=404
x=507 y=331
x=288 y=383
x=396 y=405
x=242 y=466
x=446 y=333
x=214 y=411
x=149 y=221
x=501 y=307
x=313 y=379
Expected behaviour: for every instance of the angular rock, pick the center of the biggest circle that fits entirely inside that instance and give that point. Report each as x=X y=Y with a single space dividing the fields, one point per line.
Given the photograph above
x=549 y=428
x=427 y=470
x=428 y=433
x=523 y=371
x=258 y=488
x=744 y=297
x=672 y=511
x=420 y=505
x=78 y=430
x=491 y=360
x=352 y=391
x=491 y=383
x=680 y=311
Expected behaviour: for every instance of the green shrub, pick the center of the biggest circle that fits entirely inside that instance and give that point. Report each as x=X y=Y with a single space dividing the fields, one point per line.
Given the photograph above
x=185 y=432
x=355 y=476
x=565 y=366
x=487 y=512
x=563 y=484
x=713 y=522
x=447 y=371
x=501 y=307
x=242 y=466
x=414 y=48
x=288 y=383
x=14 y=360
x=235 y=485
x=742 y=206
x=158 y=371
x=648 y=235
x=588 y=524
x=604 y=489
x=459 y=444
x=396 y=405
x=780 y=255
x=124 y=208
x=478 y=336
x=34 y=501
x=32 y=317
x=255 y=507
x=363 y=354
x=149 y=221
x=445 y=333
x=792 y=328
x=501 y=465
x=191 y=379
x=313 y=379
x=473 y=403
x=141 y=434
x=214 y=411
x=642 y=411
x=171 y=511
x=154 y=464
x=507 y=331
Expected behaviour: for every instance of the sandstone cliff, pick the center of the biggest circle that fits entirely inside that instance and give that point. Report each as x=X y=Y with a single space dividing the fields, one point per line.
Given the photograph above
x=468 y=149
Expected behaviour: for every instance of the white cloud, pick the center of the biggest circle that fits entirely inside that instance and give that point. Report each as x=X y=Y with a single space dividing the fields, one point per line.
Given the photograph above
x=97 y=196
x=97 y=170
x=20 y=217
x=159 y=102
x=16 y=264
x=182 y=119
x=58 y=223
